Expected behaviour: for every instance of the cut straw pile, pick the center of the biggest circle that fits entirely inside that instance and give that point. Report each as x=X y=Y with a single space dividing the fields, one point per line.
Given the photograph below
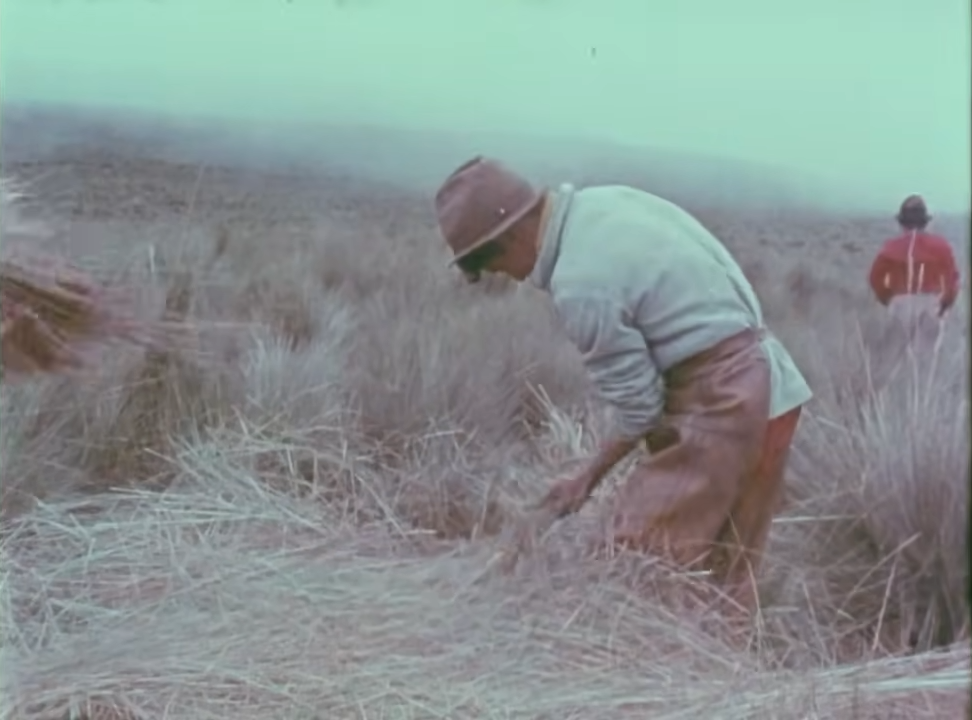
x=52 y=313
x=223 y=599
x=48 y=313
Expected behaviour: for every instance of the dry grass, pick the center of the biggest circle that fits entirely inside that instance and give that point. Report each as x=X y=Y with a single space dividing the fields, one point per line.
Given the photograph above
x=353 y=426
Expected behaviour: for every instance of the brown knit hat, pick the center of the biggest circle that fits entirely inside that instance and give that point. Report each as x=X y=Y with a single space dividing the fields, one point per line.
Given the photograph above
x=480 y=201
x=913 y=212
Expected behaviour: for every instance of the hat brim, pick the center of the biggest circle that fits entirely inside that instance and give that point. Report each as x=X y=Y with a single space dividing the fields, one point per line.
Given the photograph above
x=496 y=232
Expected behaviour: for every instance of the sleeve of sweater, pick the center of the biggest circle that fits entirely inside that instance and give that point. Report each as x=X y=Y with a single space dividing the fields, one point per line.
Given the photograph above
x=880 y=269
x=617 y=360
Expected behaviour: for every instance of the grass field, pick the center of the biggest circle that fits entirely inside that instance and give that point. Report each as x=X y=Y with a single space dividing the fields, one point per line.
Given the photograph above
x=289 y=516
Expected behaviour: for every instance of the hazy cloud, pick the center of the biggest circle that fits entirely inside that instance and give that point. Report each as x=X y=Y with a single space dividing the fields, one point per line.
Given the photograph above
x=872 y=93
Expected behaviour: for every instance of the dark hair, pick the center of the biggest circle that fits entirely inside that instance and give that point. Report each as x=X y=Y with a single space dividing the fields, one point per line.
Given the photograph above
x=473 y=264
x=913 y=214
x=913 y=219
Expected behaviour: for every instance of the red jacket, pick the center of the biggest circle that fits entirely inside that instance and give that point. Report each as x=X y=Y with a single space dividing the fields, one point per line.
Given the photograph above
x=915 y=263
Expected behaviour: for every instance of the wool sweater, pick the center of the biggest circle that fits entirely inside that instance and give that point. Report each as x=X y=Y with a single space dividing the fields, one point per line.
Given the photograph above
x=640 y=285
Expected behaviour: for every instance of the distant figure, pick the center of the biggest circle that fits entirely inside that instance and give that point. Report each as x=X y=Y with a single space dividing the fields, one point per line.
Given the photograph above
x=672 y=334
x=914 y=274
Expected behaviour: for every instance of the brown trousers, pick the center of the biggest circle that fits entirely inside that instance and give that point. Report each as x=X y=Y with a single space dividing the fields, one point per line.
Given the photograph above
x=706 y=495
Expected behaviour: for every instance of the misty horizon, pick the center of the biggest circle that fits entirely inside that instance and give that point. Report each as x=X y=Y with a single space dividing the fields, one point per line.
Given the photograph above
x=852 y=96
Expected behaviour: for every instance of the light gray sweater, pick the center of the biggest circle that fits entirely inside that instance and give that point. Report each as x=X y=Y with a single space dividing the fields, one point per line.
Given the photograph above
x=641 y=285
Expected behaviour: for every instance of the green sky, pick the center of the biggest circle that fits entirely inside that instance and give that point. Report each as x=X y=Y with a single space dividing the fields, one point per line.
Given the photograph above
x=872 y=92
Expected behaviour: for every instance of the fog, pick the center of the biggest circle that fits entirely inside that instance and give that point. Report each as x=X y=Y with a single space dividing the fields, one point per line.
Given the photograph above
x=869 y=96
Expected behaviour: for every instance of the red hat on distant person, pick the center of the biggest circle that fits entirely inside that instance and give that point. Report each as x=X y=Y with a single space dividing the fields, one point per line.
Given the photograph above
x=480 y=201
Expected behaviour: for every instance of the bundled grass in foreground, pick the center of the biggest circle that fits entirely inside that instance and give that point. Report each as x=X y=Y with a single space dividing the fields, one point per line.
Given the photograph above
x=51 y=310
x=342 y=441
x=221 y=598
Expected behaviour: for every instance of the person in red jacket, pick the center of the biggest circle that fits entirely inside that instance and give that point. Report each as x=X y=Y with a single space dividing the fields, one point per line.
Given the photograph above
x=914 y=274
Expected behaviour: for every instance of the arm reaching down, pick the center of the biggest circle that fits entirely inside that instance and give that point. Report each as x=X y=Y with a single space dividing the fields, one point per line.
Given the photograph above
x=620 y=365
x=618 y=361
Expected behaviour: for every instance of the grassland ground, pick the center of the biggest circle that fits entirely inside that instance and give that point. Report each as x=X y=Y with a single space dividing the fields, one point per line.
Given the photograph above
x=288 y=516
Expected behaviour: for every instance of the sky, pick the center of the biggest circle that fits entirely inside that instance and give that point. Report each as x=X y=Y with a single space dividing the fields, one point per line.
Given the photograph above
x=873 y=94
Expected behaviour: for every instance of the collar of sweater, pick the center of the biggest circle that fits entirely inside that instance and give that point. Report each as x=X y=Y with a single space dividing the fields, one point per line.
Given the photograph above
x=550 y=239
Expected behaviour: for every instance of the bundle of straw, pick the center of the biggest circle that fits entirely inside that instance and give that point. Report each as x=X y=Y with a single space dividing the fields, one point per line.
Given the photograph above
x=50 y=313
